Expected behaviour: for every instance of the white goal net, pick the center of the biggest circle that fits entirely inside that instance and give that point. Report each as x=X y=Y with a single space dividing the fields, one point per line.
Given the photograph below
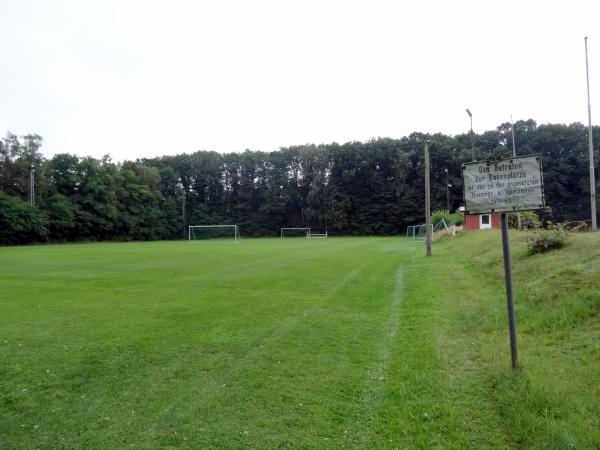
x=416 y=232
x=295 y=232
x=214 y=233
x=419 y=232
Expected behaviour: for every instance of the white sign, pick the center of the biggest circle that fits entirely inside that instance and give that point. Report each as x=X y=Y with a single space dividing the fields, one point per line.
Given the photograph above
x=512 y=184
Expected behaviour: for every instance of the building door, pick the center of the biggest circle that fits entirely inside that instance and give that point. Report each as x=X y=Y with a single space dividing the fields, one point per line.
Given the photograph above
x=485 y=221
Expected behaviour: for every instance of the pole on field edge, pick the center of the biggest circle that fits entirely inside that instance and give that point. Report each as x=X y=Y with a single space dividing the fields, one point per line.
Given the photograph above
x=591 y=145
x=512 y=322
x=447 y=191
x=472 y=135
x=427 y=203
x=512 y=131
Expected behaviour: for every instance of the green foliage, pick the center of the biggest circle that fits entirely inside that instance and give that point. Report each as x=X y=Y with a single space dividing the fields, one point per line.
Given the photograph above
x=543 y=240
x=138 y=199
x=355 y=188
x=529 y=219
x=61 y=217
x=20 y=222
x=448 y=217
x=547 y=404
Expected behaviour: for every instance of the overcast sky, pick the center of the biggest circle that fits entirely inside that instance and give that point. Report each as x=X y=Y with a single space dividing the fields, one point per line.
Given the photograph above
x=146 y=78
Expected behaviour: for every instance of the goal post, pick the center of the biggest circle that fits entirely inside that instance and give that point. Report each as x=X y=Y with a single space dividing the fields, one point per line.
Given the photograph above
x=214 y=233
x=295 y=232
x=441 y=226
x=417 y=232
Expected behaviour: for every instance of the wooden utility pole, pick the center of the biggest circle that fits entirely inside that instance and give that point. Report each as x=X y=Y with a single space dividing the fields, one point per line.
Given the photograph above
x=184 y=228
x=427 y=203
x=591 y=146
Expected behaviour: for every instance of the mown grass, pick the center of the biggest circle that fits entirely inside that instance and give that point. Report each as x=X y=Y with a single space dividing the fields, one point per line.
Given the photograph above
x=554 y=400
x=337 y=343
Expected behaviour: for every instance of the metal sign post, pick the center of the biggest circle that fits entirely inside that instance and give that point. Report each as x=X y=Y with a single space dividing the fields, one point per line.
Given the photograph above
x=512 y=184
x=512 y=321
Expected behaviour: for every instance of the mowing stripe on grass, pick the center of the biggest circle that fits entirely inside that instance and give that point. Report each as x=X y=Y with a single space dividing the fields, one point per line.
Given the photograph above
x=377 y=374
x=208 y=395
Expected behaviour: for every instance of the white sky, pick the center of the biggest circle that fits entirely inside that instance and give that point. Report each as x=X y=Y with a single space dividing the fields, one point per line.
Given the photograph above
x=146 y=78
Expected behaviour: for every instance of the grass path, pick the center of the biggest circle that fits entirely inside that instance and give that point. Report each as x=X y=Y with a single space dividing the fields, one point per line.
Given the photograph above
x=373 y=394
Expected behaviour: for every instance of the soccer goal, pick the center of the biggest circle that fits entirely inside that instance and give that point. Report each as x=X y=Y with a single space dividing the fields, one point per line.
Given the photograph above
x=214 y=233
x=416 y=232
x=295 y=232
x=317 y=235
x=441 y=227
x=419 y=232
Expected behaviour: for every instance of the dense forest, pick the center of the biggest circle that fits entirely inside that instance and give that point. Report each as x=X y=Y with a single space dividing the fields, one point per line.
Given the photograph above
x=376 y=187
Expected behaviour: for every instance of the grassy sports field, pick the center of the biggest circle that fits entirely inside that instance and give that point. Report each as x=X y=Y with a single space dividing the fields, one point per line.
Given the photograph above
x=297 y=343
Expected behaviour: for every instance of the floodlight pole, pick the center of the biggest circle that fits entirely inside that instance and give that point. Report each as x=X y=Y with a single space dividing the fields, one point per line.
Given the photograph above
x=32 y=185
x=472 y=136
x=512 y=131
x=32 y=149
x=447 y=192
x=428 y=236
x=183 y=224
x=591 y=145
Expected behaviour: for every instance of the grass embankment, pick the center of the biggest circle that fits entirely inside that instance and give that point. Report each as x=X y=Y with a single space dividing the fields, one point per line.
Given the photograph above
x=337 y=343
x=457 y=309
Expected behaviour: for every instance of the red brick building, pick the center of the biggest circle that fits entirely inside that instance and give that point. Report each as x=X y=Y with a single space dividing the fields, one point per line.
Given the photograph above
x=481 y=221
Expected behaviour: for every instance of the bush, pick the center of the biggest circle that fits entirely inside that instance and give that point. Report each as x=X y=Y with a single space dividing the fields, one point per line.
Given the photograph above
x=457 y=218
x=529 y=219
x=449 y=218
x=20 y=222
x=540 y=241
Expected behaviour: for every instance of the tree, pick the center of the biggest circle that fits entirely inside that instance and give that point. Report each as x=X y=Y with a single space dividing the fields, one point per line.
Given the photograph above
x=61 y=217
x=20 y=222
x=95 y=200
x=138 y=199
x=374 y=187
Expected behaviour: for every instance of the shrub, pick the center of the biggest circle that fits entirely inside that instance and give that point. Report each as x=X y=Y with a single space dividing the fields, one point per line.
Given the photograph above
x=540 y=240
x=20 y=222
x=449 y=218
x=529 y=219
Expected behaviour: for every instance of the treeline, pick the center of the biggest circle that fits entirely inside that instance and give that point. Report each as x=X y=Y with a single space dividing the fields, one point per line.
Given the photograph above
x=355 y=188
